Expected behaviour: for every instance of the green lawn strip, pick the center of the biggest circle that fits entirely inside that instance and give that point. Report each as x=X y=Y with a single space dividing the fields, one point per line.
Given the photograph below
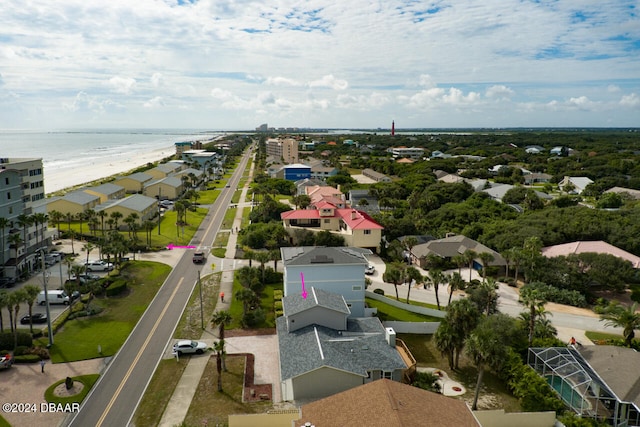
x=236 y=196
x=211 y=407
x=79 y=338
x=602 y=336
x=190 y=324
x=159 y=391
x=87 y=381
x=229 y=216
x=245 y=217
x=236 y=306
x=416 y=303
x=219 y=252
x=267 y=305
x=388 y=312
x=169 y=231
x=426 y=354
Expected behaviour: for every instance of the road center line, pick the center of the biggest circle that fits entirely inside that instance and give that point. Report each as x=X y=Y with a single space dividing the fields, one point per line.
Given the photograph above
x=135 y=361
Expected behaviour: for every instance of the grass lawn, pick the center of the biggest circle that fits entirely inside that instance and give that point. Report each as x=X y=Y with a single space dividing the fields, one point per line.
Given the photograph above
x=209 y=196
x=266 y=303
x=494 y=393
x=229 y=216
x=388 y=312
x=79 y=338
x=190 y=324
x=416 y=303
x=211 y=407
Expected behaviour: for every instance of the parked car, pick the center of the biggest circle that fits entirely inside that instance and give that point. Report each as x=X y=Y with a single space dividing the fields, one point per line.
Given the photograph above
x=75 y=295
x=189 y=347
x=54 y=297
x=36 y=318
x=85 y=278
x=198 y=257
x=98 y=265
x=370 y=269
x=7 y=282
x=6 y=360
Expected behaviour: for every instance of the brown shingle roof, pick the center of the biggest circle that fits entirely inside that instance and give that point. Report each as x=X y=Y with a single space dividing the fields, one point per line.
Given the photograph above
x=386 y=403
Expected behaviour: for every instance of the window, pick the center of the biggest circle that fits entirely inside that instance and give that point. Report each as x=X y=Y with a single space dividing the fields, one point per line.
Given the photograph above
x=387 y=374
x=327 y=221
x=367 y=231
x=356 y=288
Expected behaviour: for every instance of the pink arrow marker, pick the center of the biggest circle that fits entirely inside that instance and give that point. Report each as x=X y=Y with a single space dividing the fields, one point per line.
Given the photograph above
x=304 y=292
x=171 y=246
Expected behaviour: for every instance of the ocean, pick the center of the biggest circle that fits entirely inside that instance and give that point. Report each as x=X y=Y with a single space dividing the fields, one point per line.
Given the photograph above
x=65 y=152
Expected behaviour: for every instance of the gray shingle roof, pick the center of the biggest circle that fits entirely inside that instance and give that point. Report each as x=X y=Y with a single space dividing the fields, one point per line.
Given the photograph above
x=293 y=304
x=363 y=347
x=107 y=188
x=80 y=197
x=136 y=202
x=618 y=368
x=308 y=255
x=171 y=181
x=455 y=245
x=140 y=176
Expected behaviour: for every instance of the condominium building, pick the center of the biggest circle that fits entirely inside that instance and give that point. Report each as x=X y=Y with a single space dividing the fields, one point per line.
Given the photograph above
x=21 y=198
x=283 y=149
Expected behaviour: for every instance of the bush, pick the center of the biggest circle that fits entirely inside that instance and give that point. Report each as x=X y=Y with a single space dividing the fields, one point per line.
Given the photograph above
x=560 y=296
x=21 y=350
x=378 y=291
x=277 y=305
x=26 y=358
x=116 y=288
x=253 y=318
x=7 y=340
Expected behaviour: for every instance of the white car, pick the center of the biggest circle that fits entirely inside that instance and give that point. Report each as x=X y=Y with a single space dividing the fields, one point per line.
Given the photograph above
x=99 y=265
x=189 y=347
x=370 y=269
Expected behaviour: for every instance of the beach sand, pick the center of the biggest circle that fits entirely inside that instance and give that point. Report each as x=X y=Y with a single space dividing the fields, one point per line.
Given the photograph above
x=56 y=180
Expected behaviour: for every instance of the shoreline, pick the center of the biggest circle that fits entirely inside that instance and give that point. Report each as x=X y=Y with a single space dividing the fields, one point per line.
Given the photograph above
x=63 y=180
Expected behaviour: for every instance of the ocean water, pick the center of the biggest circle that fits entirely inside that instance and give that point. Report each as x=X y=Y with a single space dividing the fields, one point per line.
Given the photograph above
x=64 y=152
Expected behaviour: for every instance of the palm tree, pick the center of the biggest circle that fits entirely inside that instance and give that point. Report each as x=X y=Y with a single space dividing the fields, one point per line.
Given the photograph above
x=4 y=301
x=56 y=217
x=409 y=243
x=102 y=214
x=488 y=345
x=274 y=254
x=15 y=299
x=489 y=288
x=24 y=221
x=486 y=258
x=627 y=318
x=218 y=346
x=534 y=300
x=460 y=261
x=262 y=257
x=88 y=247
x=221 y=319
x=115 y=215
x=31 y=294
x=470 y=256
x=394 y=274
x=246 y=296
x=455 y=282
x=531 y=254
x=80 y=216
x=411 y=274
x=437 y=278
x=446 y=339
x=39 y=219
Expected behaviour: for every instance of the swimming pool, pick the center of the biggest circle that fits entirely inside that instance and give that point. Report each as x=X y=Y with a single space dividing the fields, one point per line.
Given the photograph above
x=568 y=395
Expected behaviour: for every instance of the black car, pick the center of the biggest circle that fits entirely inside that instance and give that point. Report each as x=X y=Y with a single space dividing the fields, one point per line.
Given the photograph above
x=7 y=282
x=36 y=318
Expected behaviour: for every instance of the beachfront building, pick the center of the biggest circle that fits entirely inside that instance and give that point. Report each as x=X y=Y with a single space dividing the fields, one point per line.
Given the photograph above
x=181 y=147
x=195 y=175
x=170 y=188
x=285 y=150
x=106 y=191
x=133 y=183
x=144 y=207
x=23 y=194
x=164 y=170
x=73 y=203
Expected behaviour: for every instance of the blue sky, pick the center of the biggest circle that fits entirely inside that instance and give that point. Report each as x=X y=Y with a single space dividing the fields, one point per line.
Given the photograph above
x=234 y=64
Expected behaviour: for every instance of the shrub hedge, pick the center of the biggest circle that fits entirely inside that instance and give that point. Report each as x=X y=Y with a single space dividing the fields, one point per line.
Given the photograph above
x=116 y=288
x=7 y=340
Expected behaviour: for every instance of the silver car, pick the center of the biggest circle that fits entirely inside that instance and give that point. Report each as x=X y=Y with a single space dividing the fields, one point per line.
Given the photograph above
x=189 y=347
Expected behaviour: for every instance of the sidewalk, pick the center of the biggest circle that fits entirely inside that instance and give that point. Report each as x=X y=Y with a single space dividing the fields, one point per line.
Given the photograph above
x=178 y=405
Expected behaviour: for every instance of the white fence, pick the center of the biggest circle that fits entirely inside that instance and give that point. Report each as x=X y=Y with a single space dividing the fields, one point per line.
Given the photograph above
x=412 y=327
x=413 y=308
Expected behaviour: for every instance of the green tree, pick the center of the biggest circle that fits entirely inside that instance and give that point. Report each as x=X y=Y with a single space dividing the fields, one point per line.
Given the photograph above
x=486 y=259
x=4 y=223
x=4 y=302
x=394 y=273
x=221 y=319
x=470 y=256
x=16 y=298
x=488 y=346
x=627 y=318
x=437 y=278
x=456 y=282
x=534 y=300
x=411 y=274
x=31 y=294
x=218 y=347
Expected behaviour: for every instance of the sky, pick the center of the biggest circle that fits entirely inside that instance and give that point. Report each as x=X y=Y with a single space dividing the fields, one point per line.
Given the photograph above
x=235 y=64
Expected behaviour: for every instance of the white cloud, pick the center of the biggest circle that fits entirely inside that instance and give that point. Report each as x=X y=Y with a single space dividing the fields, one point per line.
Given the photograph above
x=581 y=102
x=157 y=80
x=329 y=81
x=155 y=102
x=123 y=85
x=613 y=89
x=631 y=100
x=219 y=93
x=499 y=92
x=427 y=81
x=281 y=81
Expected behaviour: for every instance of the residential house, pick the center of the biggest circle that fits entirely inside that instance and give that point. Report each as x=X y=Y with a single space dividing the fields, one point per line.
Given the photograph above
x=73 y=203
x=339 y=270
x=355 y=226
x=143 y=206
x=534 y=149
x=450 y=178
x=106 y=191
x=170 y=188
x=451 y=246
x=414 y=153
x=134 y=183
x=301 y=185
x=599 y=247
x=574 y=184
x=294 y=172
x=362 y=200
x=323 y=192
x=627 y=192
x=536 y=177
x=323 y=172
x=194 y=175
x=387 y=403
x=332 y=352
x=498 y=191
x=376 y=176
x=595 y=381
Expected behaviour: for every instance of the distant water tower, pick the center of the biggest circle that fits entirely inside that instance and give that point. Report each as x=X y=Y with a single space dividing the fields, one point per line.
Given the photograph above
x=393 y=128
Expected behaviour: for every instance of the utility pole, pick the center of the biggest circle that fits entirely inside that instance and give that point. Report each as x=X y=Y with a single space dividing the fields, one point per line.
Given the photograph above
x=201 y=308
x=46 y=298
x=159 y=216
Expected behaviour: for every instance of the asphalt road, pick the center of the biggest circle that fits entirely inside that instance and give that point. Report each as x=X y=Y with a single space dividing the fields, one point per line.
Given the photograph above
x=113 y=400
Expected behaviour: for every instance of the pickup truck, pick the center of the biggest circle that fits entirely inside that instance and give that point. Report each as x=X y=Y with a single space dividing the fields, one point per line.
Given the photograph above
x=198 y=257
